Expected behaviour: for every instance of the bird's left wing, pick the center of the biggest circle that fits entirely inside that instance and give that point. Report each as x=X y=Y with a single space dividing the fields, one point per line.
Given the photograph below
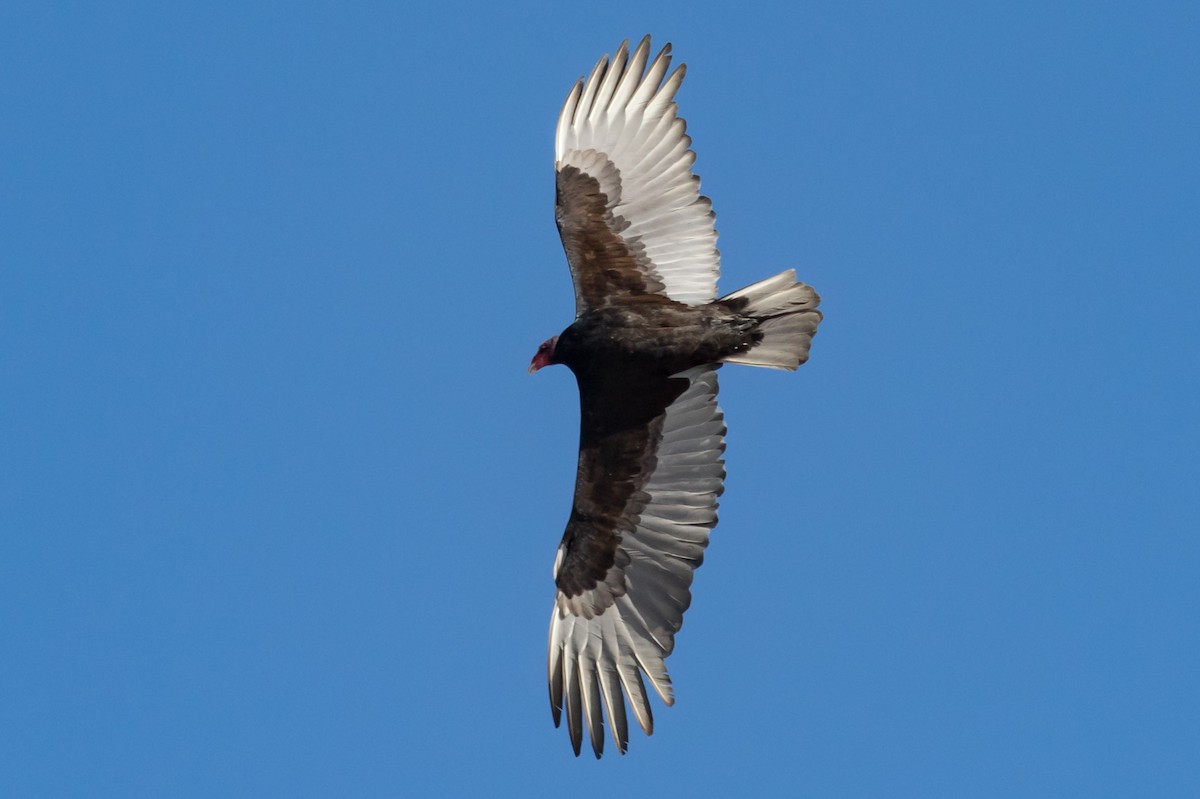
x=650 y=472
x=628 y=206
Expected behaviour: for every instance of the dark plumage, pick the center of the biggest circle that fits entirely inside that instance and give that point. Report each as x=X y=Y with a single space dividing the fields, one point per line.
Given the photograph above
x=644 y=347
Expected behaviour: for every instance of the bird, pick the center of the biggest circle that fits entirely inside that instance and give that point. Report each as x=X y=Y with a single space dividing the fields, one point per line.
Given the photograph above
x=648 y=337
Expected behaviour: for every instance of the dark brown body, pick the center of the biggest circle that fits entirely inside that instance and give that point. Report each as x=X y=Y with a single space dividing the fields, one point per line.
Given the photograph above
x=653 y=333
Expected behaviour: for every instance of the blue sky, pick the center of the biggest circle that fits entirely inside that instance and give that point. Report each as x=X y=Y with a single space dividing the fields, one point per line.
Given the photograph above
x=280 y=503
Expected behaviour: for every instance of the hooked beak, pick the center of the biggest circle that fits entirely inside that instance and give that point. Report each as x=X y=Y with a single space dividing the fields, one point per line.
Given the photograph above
x=544 y=355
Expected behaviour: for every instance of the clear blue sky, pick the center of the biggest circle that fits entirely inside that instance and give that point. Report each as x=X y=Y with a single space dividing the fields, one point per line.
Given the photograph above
x=279 y=502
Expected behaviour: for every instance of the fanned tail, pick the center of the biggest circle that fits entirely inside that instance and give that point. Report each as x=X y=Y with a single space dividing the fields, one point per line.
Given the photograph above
x=787 y=316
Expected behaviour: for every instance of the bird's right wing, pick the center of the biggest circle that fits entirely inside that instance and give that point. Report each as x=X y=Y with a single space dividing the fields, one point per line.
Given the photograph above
x=650 y=472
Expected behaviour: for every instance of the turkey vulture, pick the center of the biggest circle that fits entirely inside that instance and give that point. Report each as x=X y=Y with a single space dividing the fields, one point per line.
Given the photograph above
x=645 y=346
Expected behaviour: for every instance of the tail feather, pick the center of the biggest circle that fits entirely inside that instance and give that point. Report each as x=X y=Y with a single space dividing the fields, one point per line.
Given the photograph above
x=787 y=315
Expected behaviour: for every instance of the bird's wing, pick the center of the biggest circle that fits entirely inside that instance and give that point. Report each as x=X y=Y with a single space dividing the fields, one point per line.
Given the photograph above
x=627 y=204
x=650 y=472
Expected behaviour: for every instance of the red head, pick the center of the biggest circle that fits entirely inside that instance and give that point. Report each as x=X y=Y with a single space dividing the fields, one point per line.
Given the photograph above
x=544 y=355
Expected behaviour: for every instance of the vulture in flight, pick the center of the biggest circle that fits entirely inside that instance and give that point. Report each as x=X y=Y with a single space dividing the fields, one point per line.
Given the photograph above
x=648 y=337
